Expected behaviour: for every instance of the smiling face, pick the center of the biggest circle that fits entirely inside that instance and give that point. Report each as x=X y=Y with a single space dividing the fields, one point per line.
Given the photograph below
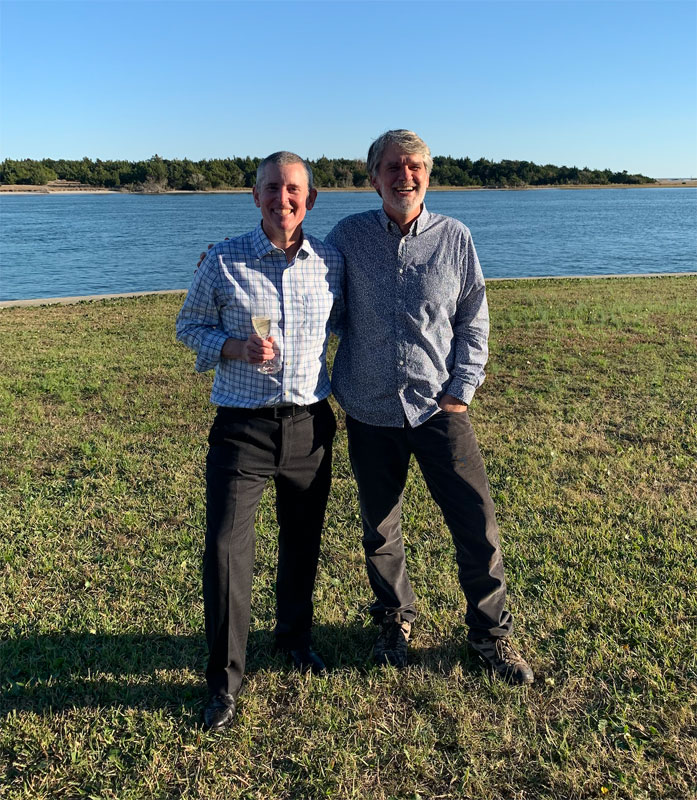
x=401 y=181
x=283 y=197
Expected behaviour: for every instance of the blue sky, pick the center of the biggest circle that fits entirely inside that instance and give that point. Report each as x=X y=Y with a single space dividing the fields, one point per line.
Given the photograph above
x=597 y=84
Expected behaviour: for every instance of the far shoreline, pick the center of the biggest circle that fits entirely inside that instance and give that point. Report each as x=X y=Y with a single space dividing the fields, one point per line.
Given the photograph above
x=89 y=298
x=9 y=190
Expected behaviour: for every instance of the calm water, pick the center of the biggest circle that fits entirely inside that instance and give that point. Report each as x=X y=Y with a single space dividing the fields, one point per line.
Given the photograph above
x=53 y=246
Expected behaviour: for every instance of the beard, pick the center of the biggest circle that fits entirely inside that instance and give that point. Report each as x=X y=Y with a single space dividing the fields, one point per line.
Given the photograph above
x=408 y=203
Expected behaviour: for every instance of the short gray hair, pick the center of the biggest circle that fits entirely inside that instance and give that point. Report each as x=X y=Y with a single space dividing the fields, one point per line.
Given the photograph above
x=407 y=141
x=283 y=157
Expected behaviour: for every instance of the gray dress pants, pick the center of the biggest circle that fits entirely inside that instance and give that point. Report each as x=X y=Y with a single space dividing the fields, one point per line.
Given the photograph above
x=247 y=447
x=446 y=449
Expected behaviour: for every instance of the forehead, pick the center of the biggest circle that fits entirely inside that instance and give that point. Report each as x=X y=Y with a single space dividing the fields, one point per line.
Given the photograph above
x=285 y=175
x=394 y=154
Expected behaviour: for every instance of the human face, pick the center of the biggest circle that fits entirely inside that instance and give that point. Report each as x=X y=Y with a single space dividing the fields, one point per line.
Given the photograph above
x=284 y=198
x=401 y=181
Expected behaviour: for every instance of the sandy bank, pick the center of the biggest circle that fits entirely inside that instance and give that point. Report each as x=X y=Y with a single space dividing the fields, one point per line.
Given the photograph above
x=43 y=190
x=65 y=301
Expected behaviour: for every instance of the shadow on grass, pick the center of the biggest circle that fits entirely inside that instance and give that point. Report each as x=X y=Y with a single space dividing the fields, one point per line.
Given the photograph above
x=441 y=655
x=76 y=670
x=64 y=671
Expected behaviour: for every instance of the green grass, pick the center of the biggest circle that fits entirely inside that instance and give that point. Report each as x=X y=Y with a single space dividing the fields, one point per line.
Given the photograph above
x=588 y=425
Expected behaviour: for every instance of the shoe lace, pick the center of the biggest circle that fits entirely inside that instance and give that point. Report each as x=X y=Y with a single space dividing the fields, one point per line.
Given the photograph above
x=507 y=653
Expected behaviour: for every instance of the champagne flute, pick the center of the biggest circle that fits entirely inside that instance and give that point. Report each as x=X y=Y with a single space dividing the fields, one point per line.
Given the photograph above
x=262 y=326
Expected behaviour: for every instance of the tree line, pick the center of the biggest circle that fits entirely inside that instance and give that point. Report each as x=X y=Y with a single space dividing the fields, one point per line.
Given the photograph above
x=161 y=174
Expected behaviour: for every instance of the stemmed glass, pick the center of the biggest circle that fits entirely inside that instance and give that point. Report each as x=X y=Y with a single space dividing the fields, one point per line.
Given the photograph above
x=262 y=326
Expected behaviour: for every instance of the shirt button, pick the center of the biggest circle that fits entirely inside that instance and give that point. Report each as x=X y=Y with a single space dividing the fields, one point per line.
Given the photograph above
x=401 y=363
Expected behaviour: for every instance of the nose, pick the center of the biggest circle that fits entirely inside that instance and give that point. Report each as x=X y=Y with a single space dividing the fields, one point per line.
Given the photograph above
x=404 y=172
x=284 y=195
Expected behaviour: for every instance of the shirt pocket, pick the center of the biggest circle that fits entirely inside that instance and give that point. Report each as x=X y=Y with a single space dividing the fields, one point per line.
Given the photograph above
x=317 y=305
x=436 y=288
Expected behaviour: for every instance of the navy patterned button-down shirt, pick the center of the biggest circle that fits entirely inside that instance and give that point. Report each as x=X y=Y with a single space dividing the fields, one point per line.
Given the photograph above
x=417 y=321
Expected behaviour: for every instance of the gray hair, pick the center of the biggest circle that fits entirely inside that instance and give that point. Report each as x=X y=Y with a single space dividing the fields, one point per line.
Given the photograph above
x=407 y=141
x=283 y=157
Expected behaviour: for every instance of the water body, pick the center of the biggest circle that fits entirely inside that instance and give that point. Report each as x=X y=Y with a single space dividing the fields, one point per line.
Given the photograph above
x=71 y=245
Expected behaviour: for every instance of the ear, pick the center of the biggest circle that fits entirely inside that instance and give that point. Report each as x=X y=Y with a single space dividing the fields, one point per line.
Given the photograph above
x=255 y=193
x=311 y=197
x=374 y=183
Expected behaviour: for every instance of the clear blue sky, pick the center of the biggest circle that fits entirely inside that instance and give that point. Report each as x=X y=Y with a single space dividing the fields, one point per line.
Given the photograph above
x=597 y=84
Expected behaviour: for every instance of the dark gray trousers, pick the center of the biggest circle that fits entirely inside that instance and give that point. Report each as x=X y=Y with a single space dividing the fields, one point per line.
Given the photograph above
x=246 y=449
x=446 y=449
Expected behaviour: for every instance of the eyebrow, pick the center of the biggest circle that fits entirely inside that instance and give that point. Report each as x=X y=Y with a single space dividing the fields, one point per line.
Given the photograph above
x=410 y=161
x=274 y=184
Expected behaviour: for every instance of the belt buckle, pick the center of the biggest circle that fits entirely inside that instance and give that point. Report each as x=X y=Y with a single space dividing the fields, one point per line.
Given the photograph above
x=283 y=412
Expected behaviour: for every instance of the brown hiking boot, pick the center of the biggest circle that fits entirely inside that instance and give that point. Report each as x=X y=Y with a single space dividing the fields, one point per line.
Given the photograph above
x=502 y=659
x=391 y=644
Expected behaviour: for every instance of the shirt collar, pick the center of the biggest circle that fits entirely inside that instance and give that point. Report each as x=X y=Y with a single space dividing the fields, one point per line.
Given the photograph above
x=417 y=226
x=306 y=250
x=263 y=245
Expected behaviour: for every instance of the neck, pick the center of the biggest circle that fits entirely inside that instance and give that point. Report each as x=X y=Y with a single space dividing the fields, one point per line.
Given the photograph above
x=290 y=243
x=403 y=220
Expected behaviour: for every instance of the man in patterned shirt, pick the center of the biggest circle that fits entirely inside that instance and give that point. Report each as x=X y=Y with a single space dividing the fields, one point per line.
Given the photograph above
x=269 y=424
x=411 y=357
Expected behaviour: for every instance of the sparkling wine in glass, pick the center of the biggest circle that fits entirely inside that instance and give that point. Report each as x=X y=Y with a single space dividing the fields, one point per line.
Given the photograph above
x=262 y=325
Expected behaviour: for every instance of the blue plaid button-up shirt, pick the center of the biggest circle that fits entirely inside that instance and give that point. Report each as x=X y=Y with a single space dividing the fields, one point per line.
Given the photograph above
x=417 y=322
x=249 y=276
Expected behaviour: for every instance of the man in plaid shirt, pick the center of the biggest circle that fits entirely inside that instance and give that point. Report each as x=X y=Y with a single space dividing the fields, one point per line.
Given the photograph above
x=269 y=424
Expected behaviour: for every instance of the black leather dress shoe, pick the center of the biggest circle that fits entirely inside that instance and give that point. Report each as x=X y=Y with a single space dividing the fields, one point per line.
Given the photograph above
x=219 y=712
x=306 y=660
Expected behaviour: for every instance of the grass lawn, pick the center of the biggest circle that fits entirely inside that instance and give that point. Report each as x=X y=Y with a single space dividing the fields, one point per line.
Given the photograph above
x=588 y=426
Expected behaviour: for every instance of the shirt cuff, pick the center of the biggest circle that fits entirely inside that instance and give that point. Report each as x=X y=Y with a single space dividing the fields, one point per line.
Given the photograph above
x=209 y=354
x=461 y=389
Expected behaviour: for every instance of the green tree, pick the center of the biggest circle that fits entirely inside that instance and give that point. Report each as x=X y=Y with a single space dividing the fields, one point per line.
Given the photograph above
x=156 y=170
x=27 y=172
